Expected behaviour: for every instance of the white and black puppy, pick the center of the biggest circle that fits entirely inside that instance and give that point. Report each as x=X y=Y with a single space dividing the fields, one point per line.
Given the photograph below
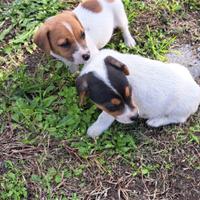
x=74 y=36
x=126 y=86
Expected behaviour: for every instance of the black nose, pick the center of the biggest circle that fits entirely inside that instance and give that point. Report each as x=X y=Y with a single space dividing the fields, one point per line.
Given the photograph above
x=134 y=117
x=86 y=56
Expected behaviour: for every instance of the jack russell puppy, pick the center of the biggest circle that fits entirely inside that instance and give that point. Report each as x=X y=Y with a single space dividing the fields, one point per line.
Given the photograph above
x=126 y=86
x=74 y=36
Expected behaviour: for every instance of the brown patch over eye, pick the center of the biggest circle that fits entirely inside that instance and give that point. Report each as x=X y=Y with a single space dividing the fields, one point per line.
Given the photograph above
x=115 y=101
x=114 y=114
x=127 y=91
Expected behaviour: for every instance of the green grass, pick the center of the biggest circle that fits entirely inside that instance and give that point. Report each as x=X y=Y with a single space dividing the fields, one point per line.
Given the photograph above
x=12 y=183
x=43 y=106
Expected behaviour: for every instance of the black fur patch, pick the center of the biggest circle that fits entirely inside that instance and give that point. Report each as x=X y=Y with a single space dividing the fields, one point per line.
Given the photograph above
x=119 y=81
x=100 y=93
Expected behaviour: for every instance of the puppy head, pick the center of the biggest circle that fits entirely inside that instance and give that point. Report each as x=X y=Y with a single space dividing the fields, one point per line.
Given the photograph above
x=63 y=36
x=114 y=95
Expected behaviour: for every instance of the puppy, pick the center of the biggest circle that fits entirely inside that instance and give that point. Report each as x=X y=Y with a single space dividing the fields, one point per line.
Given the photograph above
x=126 y=86
x=75 y=36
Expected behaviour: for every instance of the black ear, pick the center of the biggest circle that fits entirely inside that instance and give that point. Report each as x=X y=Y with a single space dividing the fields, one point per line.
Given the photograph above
x=82 y=87
x=111 y=61
x=117 y=72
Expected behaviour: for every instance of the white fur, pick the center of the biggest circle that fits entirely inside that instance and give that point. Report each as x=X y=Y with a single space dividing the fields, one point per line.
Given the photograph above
x=103 y=123
x=98 y=28
x=164 y=93
x=68 y=26
x=101 y=27
x=127 y=114
x=77 y=55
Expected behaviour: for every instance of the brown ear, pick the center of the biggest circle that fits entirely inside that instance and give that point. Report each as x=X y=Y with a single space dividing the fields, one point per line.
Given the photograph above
x=41 y=38
x=111 y=61
x=82 y=88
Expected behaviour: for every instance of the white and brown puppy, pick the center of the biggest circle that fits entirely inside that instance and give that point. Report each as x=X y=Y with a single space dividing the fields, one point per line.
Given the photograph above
x=74 y=36
x=126 y=86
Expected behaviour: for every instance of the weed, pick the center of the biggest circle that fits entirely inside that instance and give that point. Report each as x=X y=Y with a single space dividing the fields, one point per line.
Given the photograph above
x=195 y=134
x=53 y=178
x=26 y=15
x=192 y=5
x=173 y=7
x=13 y=185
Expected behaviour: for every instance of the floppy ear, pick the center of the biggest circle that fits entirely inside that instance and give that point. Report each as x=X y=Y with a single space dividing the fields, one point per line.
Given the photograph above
x=82 y=87
x=41 y=38
x=111 y=61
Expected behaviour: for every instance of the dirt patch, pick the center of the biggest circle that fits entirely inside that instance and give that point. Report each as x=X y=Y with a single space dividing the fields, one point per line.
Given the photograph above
x=34 y=60
x=187 y=29
x=171 y=158
x=10 y=35
x=184 y=25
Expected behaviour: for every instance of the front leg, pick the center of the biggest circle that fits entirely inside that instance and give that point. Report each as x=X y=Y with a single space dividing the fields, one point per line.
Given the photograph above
x=121 y=21
x=103 y=122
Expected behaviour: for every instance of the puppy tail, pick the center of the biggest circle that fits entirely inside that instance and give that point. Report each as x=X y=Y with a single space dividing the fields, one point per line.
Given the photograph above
x=195 y=71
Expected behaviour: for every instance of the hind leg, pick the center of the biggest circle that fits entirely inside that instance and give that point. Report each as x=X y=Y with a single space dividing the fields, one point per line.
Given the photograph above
x=121 y=22
x=162 y=121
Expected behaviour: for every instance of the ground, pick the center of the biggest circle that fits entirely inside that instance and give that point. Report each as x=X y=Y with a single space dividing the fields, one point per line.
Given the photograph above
x=44 y=150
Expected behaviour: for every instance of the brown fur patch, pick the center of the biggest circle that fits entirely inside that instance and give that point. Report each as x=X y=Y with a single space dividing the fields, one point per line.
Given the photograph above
x=114 y=114
x=127 y=91
x=82 y=98
x=109 y=60
x=53 y=33
x=92 y=5
x=82 y=88
x=41 y=38
x=115 y=101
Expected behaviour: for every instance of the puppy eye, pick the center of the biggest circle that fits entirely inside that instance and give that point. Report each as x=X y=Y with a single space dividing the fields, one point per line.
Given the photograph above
x=82 y=35
x=65 y=45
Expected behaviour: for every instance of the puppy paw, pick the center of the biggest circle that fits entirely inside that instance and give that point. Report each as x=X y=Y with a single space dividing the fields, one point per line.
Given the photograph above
x=154 y=122
x=94 y=131
x=130 y=42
